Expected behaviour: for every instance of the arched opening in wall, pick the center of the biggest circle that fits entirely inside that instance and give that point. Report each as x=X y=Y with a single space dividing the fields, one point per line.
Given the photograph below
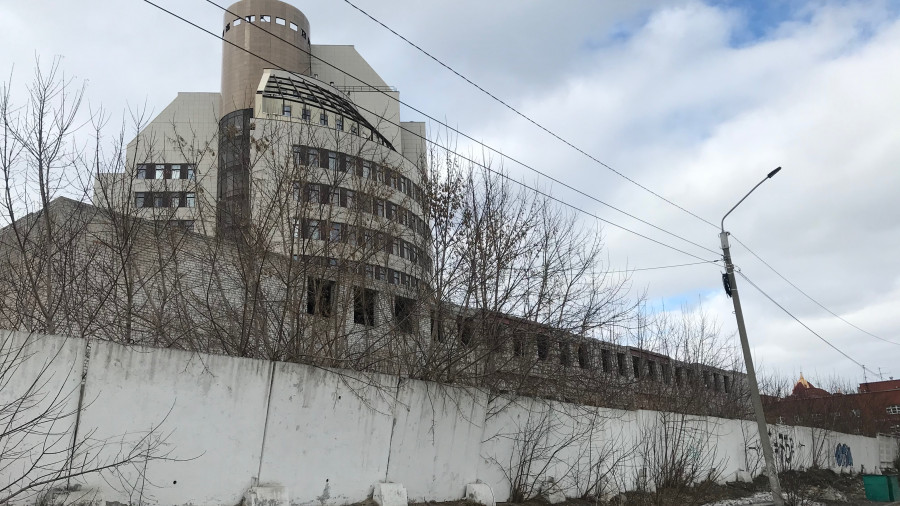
x=565 y=358
x=543 y=347
x=583 y=357
x=465 y=327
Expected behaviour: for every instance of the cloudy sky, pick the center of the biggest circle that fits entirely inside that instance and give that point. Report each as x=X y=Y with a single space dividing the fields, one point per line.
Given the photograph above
x=696 y=101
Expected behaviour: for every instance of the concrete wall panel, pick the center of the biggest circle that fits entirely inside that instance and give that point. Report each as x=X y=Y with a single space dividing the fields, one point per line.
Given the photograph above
x=39 y=388
x=329 y=433
x=210 y=411
x=435 y=448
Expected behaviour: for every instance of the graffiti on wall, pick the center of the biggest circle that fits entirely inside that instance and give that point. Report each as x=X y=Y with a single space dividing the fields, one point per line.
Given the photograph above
x=843 y=456
x=784 y=448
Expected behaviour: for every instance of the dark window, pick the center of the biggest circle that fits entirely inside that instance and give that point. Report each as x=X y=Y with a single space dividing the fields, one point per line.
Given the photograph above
x=584 y=360
x=364 y=306
x=306 y=114
x=403 y=313
x=190 y=172
x=715 y=382
x=466 y=331
x=726 y=382
x=518 y=346
x=636 y=366
x=605 y=360
x=565 y=358
x=140 y=199
x=312 y=157
x=651 y=369
x=339 y=123
x=323 y=119
x=141 y=172
x=620 y=358
x=313 y=194
x=706 y=381
x=437 y=328
x=319 y=296
x=679 y=373
x=667 y=373
x=159 y=200
x=543 y=347
x=286 y=110
x=190 y=199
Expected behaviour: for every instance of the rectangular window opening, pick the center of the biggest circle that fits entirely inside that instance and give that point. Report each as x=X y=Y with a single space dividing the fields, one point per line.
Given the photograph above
x=543 y=347
x=364 y=306
x=404 y=314
x=319 y=296
x=279 y=21
x=565 y=358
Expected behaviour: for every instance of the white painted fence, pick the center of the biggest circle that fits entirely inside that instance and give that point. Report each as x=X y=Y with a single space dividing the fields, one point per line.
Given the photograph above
x=328 y=436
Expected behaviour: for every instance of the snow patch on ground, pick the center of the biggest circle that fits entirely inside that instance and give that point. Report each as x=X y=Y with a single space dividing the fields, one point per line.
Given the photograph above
x=759 y=498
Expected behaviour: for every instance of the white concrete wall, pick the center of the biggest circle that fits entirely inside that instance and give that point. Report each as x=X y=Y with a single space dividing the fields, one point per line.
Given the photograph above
x=40 y=380
x=329 y=435
x=210 y=410
x=435 y=453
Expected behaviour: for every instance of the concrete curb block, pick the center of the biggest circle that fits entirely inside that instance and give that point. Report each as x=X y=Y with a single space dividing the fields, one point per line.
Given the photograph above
x=389 y=494
x=480 y=493
x=267 y=496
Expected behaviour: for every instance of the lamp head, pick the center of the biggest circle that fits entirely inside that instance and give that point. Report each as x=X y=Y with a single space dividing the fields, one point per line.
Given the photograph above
x=773 y=173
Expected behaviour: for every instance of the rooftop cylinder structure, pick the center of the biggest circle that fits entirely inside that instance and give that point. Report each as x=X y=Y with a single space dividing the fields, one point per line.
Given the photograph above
x=260 y=34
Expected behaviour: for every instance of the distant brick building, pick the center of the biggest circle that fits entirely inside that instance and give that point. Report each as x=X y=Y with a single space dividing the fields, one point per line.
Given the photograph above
x=873 y=409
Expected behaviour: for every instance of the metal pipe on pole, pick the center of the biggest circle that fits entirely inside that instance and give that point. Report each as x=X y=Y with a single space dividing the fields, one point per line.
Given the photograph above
x=731 y=289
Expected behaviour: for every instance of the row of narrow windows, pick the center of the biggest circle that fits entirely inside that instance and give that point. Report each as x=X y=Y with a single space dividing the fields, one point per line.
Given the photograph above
x=321 y=296
x=341 y=232
x=265 y=18
x=314 y=193
x=326 y=159
x=165 y=199
x=165 y=171
x=610 y=362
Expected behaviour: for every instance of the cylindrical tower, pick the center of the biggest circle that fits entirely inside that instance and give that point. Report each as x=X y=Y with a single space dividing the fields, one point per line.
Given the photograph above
x=260 y=27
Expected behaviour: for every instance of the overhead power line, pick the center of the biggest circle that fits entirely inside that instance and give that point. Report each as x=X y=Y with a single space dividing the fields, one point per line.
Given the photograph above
x=807 y=327
x=839 y=317
x=449 y=150
x=528 y=118
x=570 y=144
x=459 y=132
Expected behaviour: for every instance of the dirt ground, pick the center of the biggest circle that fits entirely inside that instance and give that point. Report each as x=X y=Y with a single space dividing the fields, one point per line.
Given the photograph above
x=815 y=487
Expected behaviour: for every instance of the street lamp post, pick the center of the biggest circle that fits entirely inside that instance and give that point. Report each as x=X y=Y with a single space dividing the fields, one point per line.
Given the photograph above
x=732 y=290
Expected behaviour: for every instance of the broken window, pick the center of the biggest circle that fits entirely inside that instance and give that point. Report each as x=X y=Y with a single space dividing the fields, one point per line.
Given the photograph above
x=404 y=314
x=319 y=294
x=543 y=347
x=364 y=306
